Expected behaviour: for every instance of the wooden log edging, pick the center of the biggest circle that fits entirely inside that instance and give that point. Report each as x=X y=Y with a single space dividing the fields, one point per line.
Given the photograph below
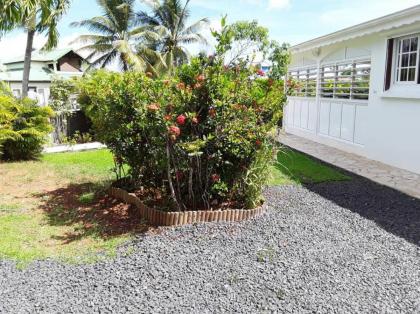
x=160 y=218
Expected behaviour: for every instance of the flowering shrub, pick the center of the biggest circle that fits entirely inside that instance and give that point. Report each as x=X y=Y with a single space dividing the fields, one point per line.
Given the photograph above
x=201 y=138
x=198 y=140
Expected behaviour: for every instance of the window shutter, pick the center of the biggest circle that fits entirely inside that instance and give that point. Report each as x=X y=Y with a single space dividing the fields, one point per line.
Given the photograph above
x=389 y=59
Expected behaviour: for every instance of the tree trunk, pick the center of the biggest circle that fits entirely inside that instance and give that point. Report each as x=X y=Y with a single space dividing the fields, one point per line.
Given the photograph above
x=27 y=62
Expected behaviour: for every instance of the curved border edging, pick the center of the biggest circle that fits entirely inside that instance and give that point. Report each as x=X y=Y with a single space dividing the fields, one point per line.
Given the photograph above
x=161 y=218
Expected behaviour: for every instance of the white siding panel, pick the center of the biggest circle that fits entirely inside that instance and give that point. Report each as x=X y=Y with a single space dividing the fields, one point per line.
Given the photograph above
x=360 y=125
x=324 y=118
x=312 y=115
x=335 y=119
x=304 y=115
x=347 y=122
x=296 y=113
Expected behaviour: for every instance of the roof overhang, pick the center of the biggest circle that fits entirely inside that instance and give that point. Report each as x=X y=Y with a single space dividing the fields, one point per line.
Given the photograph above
x=395 y=20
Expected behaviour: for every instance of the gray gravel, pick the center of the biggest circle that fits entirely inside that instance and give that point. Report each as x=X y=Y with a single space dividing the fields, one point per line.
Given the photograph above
x=340 y=248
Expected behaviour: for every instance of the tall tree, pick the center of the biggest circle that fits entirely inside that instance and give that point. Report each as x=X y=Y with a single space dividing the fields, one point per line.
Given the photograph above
x=36 y=16
x=117 y=36
x=169 y=18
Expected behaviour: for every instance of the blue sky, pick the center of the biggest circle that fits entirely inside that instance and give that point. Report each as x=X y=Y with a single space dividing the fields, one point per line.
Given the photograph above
x=290 y=21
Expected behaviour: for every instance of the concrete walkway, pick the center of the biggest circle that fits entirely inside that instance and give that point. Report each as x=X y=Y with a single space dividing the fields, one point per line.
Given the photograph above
x=73 y=148
x=399 y=179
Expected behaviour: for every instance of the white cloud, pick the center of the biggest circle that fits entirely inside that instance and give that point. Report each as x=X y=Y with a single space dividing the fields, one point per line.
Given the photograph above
x=350 y=15
x=13 y=45
x=278 y=4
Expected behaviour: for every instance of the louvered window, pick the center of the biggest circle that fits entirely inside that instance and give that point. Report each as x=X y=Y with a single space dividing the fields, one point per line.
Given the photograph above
x=346 y=80
x=302 y=82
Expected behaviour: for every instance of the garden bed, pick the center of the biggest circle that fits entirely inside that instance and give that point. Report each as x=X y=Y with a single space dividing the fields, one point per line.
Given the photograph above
x=161 y=218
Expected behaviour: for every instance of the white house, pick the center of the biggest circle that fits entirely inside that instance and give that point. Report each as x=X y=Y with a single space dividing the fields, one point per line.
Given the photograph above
x=63 y=63
x=358 y=90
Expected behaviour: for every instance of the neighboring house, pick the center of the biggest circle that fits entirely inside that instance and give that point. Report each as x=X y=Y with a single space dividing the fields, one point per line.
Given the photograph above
x=64 y=63
x=358 y=90
x=45 y=66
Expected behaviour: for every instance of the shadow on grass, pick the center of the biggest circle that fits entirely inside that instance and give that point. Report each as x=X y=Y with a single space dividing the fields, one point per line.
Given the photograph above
x=90 y=213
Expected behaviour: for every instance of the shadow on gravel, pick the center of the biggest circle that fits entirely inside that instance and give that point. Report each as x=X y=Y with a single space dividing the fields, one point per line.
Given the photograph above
x=392 y=210
x=90 y=212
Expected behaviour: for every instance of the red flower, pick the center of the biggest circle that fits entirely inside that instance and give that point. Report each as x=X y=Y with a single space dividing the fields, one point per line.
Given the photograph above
x=260 y=72
x=212 y=112
x=167 y=117
x=200 y=78
x=179 y=175
x=197 y=86
x=174 y=130
x=194 y=120
x=258 y=143
x=215 y=177
x=180 y=85
x=153 y=107
x=181 y=119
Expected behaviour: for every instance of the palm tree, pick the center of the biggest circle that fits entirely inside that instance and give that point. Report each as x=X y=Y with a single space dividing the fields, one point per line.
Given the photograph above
x=116 y=34
x=36 y=16
x=168 y=18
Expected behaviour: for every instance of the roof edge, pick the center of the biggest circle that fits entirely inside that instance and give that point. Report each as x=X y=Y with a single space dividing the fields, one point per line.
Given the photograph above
x=346 y=33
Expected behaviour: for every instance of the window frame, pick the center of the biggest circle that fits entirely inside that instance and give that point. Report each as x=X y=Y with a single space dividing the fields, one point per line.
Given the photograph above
x=308 y=72
x=396 y=62
x=336 y=79
x=17 y=95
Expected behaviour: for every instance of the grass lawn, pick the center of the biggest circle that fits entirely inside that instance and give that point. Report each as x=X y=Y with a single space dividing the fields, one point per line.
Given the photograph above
x=57 y=208
x=296 y=168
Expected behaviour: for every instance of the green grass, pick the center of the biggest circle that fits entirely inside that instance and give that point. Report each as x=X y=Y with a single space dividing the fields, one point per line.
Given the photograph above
x=36 y=219
x=80 y=166
x=28 y=237
x=296 y=168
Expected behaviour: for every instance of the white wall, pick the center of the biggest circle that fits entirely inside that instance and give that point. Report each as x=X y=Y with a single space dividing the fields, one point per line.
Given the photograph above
x=384 y=129
x=43 y=99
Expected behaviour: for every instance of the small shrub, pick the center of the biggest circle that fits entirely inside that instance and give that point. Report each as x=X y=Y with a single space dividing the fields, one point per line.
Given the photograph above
x=24 y=127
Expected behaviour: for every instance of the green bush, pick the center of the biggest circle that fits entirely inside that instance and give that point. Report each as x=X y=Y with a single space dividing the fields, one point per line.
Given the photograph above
x=198 y=140
x=24 y=127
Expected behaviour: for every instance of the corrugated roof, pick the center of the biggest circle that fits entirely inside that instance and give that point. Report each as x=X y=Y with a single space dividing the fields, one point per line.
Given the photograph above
x=43 y=56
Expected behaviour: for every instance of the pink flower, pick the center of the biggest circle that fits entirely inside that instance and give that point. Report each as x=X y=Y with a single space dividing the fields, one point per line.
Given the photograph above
x=212 y=112
x=215 y=177
x=200 y=78
x=181 y=119
x=180 y=85
x=179 y=175
x=174 y=130
x=153 y=107
x=260 y=72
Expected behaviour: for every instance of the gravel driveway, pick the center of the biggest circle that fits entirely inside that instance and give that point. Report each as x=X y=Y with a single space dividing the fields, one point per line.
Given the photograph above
x=346 y=247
